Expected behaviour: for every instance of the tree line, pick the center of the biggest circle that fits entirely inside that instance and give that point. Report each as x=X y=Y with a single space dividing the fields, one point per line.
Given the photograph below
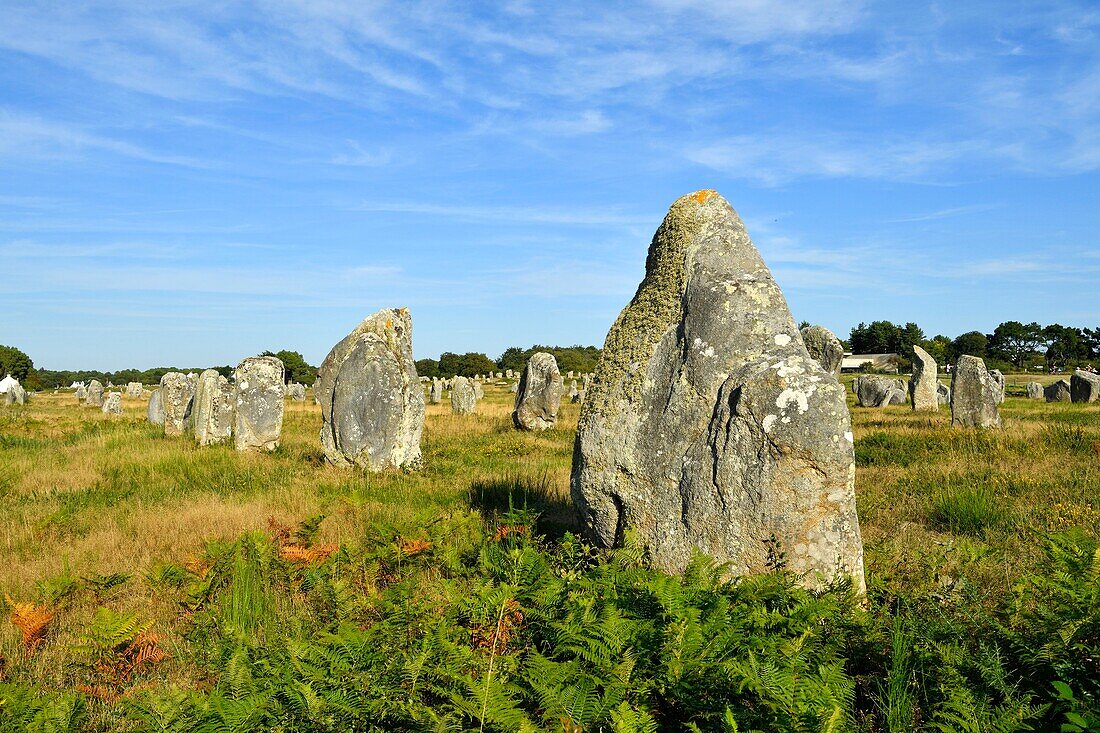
x=570 y=358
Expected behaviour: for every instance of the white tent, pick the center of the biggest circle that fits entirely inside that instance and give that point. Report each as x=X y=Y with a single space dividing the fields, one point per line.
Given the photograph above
x=7 y=383
x=76 y=385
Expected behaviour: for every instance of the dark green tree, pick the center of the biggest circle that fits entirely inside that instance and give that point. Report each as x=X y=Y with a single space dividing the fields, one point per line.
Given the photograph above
x=14 y=362
x=297 y=370
x=1066 y=345
x=1016 y=342
x=427 y=368
x=464 y=365
x=972 y=343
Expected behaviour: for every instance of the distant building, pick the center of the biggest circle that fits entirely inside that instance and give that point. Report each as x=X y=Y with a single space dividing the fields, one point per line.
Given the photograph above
x=7 y=383
x=879 y=362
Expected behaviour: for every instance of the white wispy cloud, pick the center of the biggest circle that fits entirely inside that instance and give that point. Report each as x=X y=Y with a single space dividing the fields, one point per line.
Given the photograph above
x=515 y=214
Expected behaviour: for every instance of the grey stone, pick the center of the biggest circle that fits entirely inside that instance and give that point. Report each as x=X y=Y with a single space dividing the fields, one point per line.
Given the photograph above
x=95 y=394
x=436 y=392
x=514 y=387
x=212 y=408
x=1000 y=380
x=296 y=392
x=538 y=397
x=975 y=394
x=81 y=393
x=155 y=411
x=1058 y=392
x=175 y=396
x=134 y=389
x=479 y=391
x=508 y=373
x=823 y=345
x=1084 y=386
x=112 y=403
x=463 y=399
x=16 y=395
x=1034 y=391
x=943 y=394
x=875 y=391
x=708 y=426
x=924 y=386
x=259 y=413
x=578 y=398
x=573 y=391
x=372 y=404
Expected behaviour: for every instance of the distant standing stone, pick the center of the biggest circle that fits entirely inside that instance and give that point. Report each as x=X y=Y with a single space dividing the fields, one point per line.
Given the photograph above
x=577 y=398
x=81 y=393
x=212 y=408
x=538 y=397
x=823 y=345
x=508 y=373
x=479 y=391
x=296 y=392
x=1034 y=391
x=134 y=389
x=1000 y=380
x=943 y=394
x=17 y=395
x=975 y=395
x=1058 y=392
x=924 y=385
x=876 y=391
x=372 y=404
x=463 y=399
x=514 y=387
x=259 y=421
x=95 y=394
x=112 y=403
x=435 y=395
x=155 y=410
x=1084 y=386
x=175 y=396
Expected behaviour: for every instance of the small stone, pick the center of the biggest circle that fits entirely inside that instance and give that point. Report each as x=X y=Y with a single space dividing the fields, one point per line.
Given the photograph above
x=155 y=411
x=95 y=394
x=1000 y=380
x=1034 y=391
x=479 y=392
x=538 y=397
x=296 y=392
x=924 y=385
x=1058 y=391
x=134 y=389
x=112 y=403
x=435 y=394
x=823 y=345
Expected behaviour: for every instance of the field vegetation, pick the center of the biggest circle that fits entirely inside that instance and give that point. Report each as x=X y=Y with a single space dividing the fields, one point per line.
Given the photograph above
x=150 y=585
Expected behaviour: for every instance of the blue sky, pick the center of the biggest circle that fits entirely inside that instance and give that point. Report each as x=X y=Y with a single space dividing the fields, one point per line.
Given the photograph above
x=192 y=183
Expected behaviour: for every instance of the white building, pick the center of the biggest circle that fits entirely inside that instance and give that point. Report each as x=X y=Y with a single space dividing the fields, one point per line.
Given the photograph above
x=879 y=362
x=7 y=383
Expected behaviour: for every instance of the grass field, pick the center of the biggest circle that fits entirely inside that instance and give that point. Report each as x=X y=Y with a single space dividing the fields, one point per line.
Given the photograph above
x=155 y=567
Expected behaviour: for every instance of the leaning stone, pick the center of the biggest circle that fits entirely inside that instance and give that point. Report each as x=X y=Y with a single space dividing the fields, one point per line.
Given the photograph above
x=876 y=391
x=1034 y=391
x=708 y=427
x=259 y=411
x=1084 y=386
x=924 y=385
x=823 y=345
x=1000 y=380
x=212 y=408
x=538 y=397
x=372 y=404
x=463 y=399
x=95 y=394
x=975 y=394
x=296 y=392
x=155 y=411
x=1058 y=392
x=479 y=392
x=943 y=394
x=175 y=396
x=112 y=403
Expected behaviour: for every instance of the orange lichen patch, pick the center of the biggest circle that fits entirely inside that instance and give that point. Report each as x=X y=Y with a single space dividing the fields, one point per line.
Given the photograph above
x=303 y=555
x=389 y=324
x=414 y=547
x=704 y=195
x=32 y=621
x=508 y=530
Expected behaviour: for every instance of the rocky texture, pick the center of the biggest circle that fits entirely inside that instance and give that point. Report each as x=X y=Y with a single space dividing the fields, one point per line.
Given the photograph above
x=155 y=411
x=1084 y=386
x=1034 y=391
x=876 y=391
x=1058 y=392
x=514 y=387
x=372 y=404
x=975 y=394
x=538 y=397
x=212 y=409
x=81 y=393
x=134 y=389
x=943 y=394
x=463 y=399
x=16 y=395
x=479 y=391
x=175 y=396
x=296 y=392
x=708 y=426
x=112 y=403
x=823 y=345
x=94 y=397
x=577 y=398
x=259 y=412
x=924 y=385
x=435 y=394
x=1000 y=380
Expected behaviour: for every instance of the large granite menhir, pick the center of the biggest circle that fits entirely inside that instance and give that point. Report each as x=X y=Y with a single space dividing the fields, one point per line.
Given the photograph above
x=259 y=408
x=708 y=426
x=538 y=397
x=975 y=394
x=212 y=409
x=1084 y=386
x=175 y=399
x=924 y=386
x=463 y=397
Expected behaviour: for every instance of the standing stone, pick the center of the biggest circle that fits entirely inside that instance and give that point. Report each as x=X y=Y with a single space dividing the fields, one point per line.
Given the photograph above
x=134 y=389
x=573 y=392
x=296 y=392
x=212 y=408
x=95 y=394
x=508 y=373
x=823 y=345
x=500 y=375
x=1000 y=380
x=436 y=392
x=112 y=403
x=175 y=396
x=974 y=395
x=943 y=394
x=924 y=385
x=578 y=398
x=1034 y=391
x=1058 y=392
x=81 y=393
x=538 y=396
x=259 y=412
x=708 y=426
x=479 y=392
x=514 y=388
x=155 y=410
x=463 y=399
x=1084 y=386
x=372 y=404
x=17 y=395
x=876 y=391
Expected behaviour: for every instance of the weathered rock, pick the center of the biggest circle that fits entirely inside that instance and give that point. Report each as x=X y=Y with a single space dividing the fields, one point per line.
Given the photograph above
x=95 y=394
x=155 y=411
x=1034 y=391
x=175 y=397
x=479 y=391
x=463 y=399
x=876 y=391
x=514 y=387
x=924 y=385
x=708 y=426
x=259 y=413
x=508 y=373
x=134 y=389
x=372 y=404
x=16 y=395
x=578 y=398
x=81 y=393
x=112 y=403
x=823 y=345
x=572 y=389
x=436 y=393
x=1000 y=380
x=212 y=408
x=943 y=394
x=538 y=397
x=1058 y=392
x=975 y=394
x=296 y=392
x=1084 y=386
